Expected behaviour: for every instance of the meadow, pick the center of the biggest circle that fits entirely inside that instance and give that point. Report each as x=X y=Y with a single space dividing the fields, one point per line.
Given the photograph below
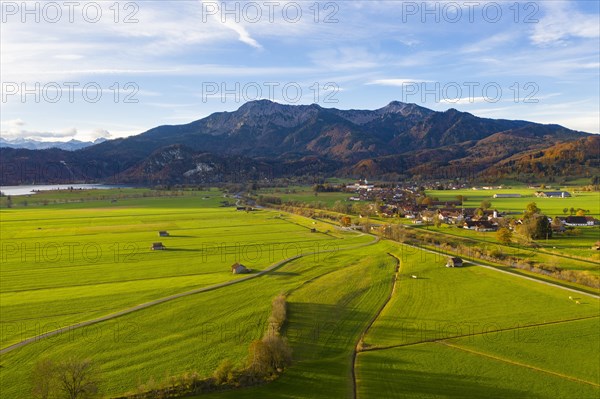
x=100 y=255
x=462 y=332
x=550 y=206
x=469 y=331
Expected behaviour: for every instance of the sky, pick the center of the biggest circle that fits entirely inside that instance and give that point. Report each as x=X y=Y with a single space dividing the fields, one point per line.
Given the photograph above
x=86 y=70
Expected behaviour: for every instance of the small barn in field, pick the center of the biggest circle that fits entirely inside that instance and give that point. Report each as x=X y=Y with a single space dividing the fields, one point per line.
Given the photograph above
x=163 y=233
x=158 y=246
x=238 y=268
x=454 y=262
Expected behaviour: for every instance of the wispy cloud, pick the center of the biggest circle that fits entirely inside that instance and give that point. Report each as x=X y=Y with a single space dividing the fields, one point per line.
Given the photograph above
x=396 y=82
x=562 y=22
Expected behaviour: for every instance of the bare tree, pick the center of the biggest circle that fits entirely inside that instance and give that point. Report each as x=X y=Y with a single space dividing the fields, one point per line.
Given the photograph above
x=77 y=379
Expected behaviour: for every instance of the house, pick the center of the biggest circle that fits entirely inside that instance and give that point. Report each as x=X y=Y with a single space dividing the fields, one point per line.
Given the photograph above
x=507 y=195
x=163 y=233
x=578 y=221
x=238 y=268
x=158 y=246
x=480 y=225
x=454 y=262
x=553 y=194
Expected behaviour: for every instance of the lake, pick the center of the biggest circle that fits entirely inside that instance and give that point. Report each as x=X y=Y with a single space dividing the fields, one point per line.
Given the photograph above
x=24 y=190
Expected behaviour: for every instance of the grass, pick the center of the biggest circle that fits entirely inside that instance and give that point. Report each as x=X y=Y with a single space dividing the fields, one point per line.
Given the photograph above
x=566 y=252
x=550 y=206
x=62 y=265
x=546 y=345
x=473 y=304
x=306 y=195
x=197 y=332
x=437 y=371
x=445 y=302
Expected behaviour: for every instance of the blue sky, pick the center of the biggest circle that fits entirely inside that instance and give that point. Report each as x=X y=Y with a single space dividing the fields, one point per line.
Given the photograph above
x=150 y=63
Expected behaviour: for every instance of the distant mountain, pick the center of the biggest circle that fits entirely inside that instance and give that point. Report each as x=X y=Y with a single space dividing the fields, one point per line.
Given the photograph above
x=30 y=144
x=263 y=139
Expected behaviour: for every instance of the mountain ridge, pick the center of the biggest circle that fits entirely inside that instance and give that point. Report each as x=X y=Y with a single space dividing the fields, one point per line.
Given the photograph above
x=399 y=139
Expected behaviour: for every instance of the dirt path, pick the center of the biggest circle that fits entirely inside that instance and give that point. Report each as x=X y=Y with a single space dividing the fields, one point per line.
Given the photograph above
x=500 y=359
x=359 y=345
x=172 y=297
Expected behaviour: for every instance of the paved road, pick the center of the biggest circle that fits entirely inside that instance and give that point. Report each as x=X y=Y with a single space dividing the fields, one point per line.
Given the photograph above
x=170 y=298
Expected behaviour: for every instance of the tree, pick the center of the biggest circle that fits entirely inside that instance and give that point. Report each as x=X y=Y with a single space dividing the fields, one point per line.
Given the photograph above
x=259 y=358
x=580 y=212
x=340 y=207
x=9 y=202
x=537 y=227
x=427 y=201
x=504 y=236
x=279 y=351
x=78 y=379
x=565 y=210
x=532 y=209
x=43 y=379
x=461 y=198
x=346 y=221
x=71 y=378
x=486 y=204
x=571 y=211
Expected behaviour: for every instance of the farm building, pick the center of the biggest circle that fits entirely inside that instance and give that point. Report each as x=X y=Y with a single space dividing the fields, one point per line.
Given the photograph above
x=157 y=246
x=238 y=268
x=163 y=233
x=454 y=262
x=578 y=221
x=553 y=194
x=507 y=195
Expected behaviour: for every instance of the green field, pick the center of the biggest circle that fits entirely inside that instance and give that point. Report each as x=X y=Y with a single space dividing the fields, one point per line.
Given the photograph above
x=101 y=255
x=463 y=332
x=306 y=195
x=550 y=206
x=471 y=331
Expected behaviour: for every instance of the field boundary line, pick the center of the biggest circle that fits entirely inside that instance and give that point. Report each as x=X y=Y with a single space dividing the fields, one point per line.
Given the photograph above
x=549 y=323
x=551 y=284
x=358 y=347
x=483 y=354
x=175 y=296
x=478 y=240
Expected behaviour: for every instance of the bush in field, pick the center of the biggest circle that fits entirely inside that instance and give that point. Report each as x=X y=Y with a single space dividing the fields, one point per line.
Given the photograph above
x=224 y=373
x=278 y=314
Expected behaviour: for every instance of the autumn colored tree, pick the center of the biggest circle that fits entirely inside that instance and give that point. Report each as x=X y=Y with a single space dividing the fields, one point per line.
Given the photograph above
x=504 y=236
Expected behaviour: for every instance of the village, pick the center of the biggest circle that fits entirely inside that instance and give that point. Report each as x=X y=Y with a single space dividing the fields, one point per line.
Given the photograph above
x=410 y=202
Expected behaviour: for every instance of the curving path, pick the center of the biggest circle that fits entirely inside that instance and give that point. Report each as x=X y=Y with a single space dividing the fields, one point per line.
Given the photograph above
x=358 y=347
x=173 y=297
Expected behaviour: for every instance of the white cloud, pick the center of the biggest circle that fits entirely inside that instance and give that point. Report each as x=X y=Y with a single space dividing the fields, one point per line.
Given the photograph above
x=396 y=82
x=562 y=22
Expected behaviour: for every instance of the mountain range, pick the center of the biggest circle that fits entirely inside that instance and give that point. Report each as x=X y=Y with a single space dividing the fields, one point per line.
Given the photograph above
x=264 y=139
x=31 y=144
